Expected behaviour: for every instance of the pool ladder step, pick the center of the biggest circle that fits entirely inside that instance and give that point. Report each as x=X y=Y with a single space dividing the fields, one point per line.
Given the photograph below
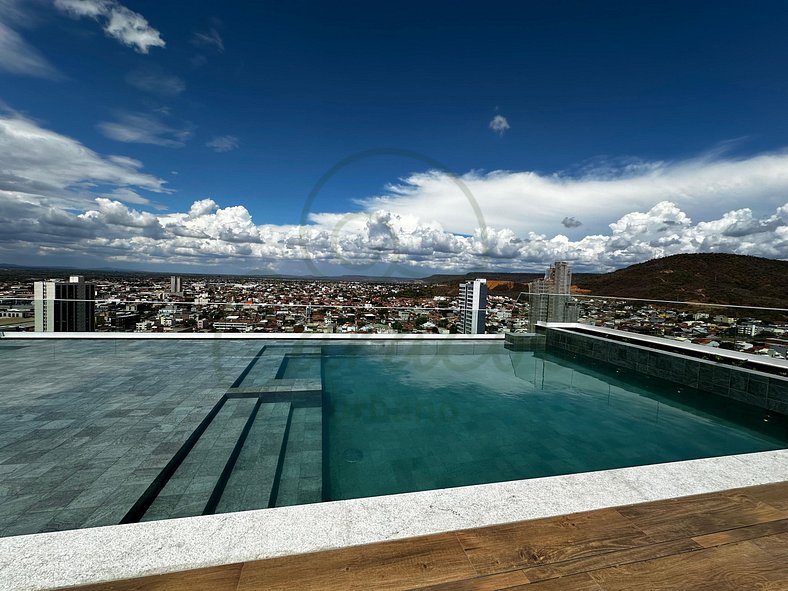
x=235 y=464
x=251 y=477
x=252 y=451
x=190 y=487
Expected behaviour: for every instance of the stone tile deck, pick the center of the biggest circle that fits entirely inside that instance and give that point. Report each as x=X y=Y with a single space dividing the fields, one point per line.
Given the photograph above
x=85 y=425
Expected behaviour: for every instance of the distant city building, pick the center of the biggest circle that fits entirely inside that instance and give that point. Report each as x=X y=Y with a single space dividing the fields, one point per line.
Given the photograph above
x=549 y=299
x=473 y=303
x=65 y=306
x=175 y=285
x=720 y=319
x=779 y=346
x=16 y=312
x=124 y=321
x=749 y=329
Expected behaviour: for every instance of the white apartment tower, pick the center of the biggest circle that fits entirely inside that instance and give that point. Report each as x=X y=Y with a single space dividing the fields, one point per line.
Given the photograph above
x=549 y=299
x=64 y=306
x=473 y=302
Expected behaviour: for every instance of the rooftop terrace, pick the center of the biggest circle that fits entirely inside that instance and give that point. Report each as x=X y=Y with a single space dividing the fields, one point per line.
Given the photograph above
x=112 y=429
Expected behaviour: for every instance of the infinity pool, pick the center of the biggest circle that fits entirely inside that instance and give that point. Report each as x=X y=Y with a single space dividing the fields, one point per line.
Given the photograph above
x=415 y=422
x=100 y=432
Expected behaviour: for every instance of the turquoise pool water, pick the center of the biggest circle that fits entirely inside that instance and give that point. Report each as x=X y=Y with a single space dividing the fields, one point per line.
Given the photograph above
x=416 y=422
x=300 y=366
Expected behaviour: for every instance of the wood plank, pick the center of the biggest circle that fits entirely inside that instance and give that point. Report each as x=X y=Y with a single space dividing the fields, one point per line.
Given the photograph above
x=579 y=582
x=544 y=541
x=391 y=566
x=483 y=583
x=739 y=566
x=609 y=559
x=694 y=516
x=775 y=495
x=743 y=533
x=776 y=545
x=220 y=578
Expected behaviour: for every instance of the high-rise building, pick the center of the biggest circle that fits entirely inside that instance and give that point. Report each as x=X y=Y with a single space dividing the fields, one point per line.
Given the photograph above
x=549 y=299
x=473 y=302
x=175 y=285
x=62 y=306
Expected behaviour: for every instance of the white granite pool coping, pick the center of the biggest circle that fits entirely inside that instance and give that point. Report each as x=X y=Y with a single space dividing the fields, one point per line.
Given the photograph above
x=78 y=557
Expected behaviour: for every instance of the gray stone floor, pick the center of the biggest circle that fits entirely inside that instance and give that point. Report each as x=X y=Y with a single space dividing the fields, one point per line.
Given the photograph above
x=86 y=425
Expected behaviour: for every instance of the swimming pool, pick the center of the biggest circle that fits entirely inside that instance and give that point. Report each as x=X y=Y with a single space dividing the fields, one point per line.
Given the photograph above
x=417 y=422
x=100 y=432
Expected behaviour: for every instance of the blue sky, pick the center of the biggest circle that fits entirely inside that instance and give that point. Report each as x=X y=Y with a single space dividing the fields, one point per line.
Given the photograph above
x=442 y=137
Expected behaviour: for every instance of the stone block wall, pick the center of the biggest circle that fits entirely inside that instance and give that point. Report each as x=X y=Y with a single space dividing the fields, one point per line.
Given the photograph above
x=752 y=387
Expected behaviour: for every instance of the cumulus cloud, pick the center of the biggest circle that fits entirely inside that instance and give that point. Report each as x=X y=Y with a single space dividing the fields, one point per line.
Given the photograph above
x=59 y=198
x=534 y=202
x=209 y=234
x=568 y=222
x=499 y=124
x=17 y=56
x=118 y=22
x=156 y=81
x=141 y=128
x=46 y=177
x=223 y=143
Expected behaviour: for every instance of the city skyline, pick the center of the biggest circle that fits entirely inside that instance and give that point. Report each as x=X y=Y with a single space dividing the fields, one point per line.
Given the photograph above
x=319 y=140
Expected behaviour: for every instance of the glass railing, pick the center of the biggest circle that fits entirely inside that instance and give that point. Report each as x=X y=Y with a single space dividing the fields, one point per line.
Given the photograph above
x=752 y=330
x=190 y=316
x=755 y=330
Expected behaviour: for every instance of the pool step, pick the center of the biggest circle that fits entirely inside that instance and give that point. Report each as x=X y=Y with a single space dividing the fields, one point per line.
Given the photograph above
x=259 y=447
x=301 y=475
x=189 y=489
x=253 y=478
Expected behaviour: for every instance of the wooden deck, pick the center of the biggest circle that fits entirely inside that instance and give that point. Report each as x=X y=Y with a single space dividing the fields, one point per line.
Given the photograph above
x=735 y=539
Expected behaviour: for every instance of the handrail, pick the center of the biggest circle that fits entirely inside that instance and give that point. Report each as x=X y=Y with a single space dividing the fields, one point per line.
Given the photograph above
x=629 y=299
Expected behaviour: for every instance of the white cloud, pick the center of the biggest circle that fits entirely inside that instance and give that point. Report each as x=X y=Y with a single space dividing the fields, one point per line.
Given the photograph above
x=209 y=234
x=16 y=55
x=533 y=202
x=60 y=198
x=223 y=143
x=499 y=124
x=19 y=57
x=141 y=128
x=46 y=176
x=155 y=80
x=127 y=26
x=127 y=195
x=42 y=164
x=210 y=38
